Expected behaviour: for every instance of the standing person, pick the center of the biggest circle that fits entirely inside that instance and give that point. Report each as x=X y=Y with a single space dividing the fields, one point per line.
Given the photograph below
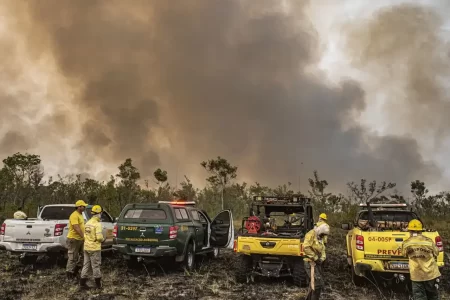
x=323 y=220
x=422 y=253
x=19 y=214
x=75 y=239
x=92 y=249
x=314 y=256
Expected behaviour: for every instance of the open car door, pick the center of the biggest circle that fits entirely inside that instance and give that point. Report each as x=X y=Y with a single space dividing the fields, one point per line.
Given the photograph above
x=222 y=230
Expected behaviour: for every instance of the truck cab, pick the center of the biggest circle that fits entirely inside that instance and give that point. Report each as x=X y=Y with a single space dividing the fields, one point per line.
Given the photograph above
x=173 y=229
x=374 y=241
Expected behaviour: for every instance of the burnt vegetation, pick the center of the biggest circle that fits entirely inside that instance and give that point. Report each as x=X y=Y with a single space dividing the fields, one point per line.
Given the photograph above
x=23 y=183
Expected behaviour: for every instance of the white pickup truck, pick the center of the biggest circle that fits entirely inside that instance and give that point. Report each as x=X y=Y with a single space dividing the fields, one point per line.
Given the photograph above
x=46 y=234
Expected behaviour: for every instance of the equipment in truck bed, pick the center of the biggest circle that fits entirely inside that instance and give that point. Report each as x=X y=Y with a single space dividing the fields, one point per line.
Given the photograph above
x=270 y=241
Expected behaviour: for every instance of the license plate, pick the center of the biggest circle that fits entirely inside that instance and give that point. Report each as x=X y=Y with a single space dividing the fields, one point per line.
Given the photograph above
x=29 y=246
x=142 y=250
x=399 y=266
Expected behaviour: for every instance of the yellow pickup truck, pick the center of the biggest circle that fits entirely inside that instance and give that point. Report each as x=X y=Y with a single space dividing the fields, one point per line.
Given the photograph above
x=374 y=242
x=270 y=241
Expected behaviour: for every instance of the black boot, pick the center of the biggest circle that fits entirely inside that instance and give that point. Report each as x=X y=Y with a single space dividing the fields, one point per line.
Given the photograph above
x=316 y=294
x=83 y=284
x=70 y=275
x=98 y=283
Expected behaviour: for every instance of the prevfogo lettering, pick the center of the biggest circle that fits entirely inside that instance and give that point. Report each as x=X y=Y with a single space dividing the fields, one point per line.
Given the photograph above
x=397 y=252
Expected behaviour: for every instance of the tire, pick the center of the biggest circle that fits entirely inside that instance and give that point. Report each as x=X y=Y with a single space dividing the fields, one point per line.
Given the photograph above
x=357 y=280
x=243 y=268
x=28 y=260
x=214 y=254
x=189 y=258
x=299 y=272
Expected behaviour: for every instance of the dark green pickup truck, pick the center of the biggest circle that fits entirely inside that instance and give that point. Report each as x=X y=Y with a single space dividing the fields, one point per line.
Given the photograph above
x=175 y=230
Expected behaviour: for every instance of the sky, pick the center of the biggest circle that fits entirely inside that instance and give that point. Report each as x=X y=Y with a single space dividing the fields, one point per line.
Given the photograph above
x=354 y=89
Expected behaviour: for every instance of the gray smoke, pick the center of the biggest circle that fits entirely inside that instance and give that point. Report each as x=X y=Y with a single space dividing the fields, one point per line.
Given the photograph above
x=213 y=77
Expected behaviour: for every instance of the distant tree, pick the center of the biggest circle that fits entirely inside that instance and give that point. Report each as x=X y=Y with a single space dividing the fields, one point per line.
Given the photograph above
x=25 y=173
x=365 y=193
x=128 y=187
x=187 y=190
x=161 y=177
x=283 y=190
x=318 y=187
x=222 y=172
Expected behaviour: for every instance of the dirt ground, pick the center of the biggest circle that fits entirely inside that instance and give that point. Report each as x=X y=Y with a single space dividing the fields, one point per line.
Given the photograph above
x=213 y=280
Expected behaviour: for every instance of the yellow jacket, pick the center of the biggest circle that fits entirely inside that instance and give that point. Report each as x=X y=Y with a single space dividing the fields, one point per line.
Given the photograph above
x=93 y=236
x=20 y=215
x=325 y=238
x=421 y=252
x=314 y=249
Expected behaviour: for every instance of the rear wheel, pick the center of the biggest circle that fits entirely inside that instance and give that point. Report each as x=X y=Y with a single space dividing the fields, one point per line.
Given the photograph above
x=357 y=280
x=189 y=258
x=243 y=268
x=28 y=259
x=299 y=272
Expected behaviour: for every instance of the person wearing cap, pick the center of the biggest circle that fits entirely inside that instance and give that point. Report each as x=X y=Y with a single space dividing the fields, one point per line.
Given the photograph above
x=20 y=215
x=93 y=240
x=322 y=220
x=315 y=255
x=75 y=239
x=422 y=253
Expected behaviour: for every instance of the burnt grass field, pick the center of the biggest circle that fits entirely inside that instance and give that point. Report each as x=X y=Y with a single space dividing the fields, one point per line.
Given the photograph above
x=213 y=280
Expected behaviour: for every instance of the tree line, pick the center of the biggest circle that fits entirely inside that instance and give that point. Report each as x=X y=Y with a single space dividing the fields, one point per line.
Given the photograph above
x=22 y=184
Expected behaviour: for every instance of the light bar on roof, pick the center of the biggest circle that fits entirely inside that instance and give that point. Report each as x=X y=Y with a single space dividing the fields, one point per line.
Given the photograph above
x=385 y=205
x=178 y=202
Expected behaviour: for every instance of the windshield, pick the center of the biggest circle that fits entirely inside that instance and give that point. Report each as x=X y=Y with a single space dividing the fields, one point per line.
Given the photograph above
x=57 y=212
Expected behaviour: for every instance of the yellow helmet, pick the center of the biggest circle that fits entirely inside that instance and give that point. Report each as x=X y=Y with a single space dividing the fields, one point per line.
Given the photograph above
x=80 y=203
x=96 y=209
x=323 y=216
x=415 y=225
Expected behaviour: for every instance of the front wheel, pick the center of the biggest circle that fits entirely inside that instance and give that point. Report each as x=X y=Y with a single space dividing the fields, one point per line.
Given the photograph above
x=215 y=253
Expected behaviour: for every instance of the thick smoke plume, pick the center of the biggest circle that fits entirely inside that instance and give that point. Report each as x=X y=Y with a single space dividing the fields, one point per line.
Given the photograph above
x=172 y=83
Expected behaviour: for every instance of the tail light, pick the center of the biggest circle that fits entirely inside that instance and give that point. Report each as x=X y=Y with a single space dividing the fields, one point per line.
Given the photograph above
x=59 y=228
x=3 y=229
x=439 y=243
x=235 y=245
x=173 y=231
x=360 y=242
x=115 y=231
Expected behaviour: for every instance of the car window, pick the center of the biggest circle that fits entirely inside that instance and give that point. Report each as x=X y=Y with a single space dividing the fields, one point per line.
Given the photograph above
x=202 y=218
x=57 y=212
x=105 y=217
x=195 y=214
x=152 y=214
x=181 y=214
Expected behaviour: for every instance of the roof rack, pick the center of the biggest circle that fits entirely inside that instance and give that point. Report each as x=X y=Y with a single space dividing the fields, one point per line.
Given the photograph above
x=178 y=202
x=294 y=199
x=384 y=205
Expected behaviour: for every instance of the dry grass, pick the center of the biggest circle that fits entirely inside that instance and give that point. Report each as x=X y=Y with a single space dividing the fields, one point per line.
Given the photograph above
x=213 y=280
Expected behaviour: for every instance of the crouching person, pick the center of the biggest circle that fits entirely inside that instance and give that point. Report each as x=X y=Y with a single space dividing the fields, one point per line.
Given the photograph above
x=93 y=239
x=314 y=257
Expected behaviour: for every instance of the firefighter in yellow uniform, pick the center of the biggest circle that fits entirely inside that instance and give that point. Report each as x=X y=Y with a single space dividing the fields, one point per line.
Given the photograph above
x=314 y=249
x=93 y=240
x=323 y=220
x=20 y=215
x=422 y=253
x=75 y=239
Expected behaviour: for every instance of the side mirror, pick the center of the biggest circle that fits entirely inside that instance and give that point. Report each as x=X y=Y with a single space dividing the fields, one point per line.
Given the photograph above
x=345 y=226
